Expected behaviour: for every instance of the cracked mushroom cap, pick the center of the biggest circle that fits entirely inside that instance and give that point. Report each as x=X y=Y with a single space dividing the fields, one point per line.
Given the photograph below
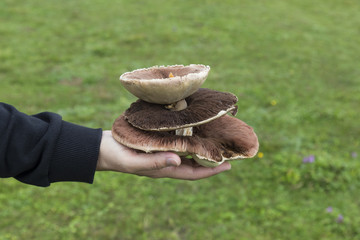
x=226 y=138
x=204 y=106
x=165 y=84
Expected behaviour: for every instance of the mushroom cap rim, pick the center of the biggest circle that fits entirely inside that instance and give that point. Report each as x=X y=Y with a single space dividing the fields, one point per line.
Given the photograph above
x=124 y=76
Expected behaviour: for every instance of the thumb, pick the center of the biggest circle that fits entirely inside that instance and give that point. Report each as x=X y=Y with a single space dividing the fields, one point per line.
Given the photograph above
x=157 y=161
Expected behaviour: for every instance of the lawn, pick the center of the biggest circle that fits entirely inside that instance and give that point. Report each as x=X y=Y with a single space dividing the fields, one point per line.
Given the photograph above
x=294 y=66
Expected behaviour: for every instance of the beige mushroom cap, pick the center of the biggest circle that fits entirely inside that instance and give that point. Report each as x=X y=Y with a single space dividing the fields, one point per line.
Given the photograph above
x=155 y=86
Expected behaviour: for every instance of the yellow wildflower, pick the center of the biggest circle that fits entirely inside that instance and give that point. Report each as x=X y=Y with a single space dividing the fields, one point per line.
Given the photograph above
x=260 y=155
x=273 y=102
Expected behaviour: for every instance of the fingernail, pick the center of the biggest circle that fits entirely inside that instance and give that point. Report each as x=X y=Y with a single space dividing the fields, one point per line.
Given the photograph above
x=171 y=162
x=228 y=167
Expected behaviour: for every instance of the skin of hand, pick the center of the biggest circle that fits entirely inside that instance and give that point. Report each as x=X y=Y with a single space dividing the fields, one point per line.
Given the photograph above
x=119 y=158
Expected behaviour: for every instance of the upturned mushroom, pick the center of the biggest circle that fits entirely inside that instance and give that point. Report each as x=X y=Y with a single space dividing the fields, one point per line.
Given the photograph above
x=226 y=138
x=203 y=106
x=165 y=85
x=174 y=114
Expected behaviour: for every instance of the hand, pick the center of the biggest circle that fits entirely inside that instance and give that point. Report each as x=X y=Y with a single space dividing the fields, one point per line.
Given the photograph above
x=116 y=157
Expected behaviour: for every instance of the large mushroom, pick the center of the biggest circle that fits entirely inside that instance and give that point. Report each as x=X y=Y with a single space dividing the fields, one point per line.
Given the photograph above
x=226 y=138
x=175 y=114
x=203 y=106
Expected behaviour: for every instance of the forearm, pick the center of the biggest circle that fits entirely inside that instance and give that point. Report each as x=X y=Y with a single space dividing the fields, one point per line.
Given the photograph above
x=42 y=149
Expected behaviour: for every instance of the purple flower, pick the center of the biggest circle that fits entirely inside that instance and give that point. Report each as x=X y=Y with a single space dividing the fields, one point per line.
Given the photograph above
x=329 y=209
x=354 y=154
x=309 y=159
x=340 y=218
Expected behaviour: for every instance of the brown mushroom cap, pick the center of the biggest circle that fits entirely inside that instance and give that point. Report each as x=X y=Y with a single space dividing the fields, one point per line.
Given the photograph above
x=155 y=85
x=203 y=106
x=226 y=138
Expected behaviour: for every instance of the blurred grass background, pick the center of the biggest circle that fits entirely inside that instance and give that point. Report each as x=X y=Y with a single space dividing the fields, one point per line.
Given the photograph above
x=293 y=64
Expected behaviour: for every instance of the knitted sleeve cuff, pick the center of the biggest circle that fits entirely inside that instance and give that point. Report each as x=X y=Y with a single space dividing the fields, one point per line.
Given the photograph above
x=76 y=154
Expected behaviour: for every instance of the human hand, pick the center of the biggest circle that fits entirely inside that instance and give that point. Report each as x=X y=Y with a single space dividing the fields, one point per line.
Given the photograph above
x=116 y=157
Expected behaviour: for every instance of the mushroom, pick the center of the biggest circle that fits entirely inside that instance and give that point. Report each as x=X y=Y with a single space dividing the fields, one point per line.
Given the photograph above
x=174 y=114
x=165 y=85
x=225 y=138
x=203 y=106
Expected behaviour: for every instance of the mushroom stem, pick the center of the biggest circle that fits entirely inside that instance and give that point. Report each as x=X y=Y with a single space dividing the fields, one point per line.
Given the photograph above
x=177 y=106
x=184 y=131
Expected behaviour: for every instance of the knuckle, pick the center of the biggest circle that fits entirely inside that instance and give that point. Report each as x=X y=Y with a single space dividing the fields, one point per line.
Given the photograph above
x=156 y=165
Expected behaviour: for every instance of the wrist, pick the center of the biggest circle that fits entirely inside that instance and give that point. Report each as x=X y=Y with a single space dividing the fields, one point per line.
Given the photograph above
x=101 y=163
x=109 y=154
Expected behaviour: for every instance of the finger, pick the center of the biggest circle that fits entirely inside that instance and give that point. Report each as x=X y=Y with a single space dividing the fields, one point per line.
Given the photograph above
x=195 y=173
x=188 y=172
x=155 y=161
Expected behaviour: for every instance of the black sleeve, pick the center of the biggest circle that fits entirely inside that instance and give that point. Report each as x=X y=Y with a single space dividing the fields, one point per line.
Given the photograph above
x=42 y=148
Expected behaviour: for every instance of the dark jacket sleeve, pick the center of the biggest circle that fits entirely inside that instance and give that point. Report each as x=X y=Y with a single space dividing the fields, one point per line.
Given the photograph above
x=42 y=148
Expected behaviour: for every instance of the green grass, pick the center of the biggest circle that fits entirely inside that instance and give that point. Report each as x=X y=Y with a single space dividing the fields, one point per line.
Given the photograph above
x=303 y=55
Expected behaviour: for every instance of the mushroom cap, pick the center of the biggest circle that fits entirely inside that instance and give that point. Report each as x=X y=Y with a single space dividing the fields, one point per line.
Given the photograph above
x=155 y=86
x=225 y=138
x=204 y=106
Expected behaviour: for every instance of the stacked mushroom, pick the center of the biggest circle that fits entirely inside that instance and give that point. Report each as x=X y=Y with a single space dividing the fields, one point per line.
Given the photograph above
x=174 y=114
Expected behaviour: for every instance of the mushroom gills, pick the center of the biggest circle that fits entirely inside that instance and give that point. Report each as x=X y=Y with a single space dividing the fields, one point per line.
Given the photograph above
x=201 y=107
